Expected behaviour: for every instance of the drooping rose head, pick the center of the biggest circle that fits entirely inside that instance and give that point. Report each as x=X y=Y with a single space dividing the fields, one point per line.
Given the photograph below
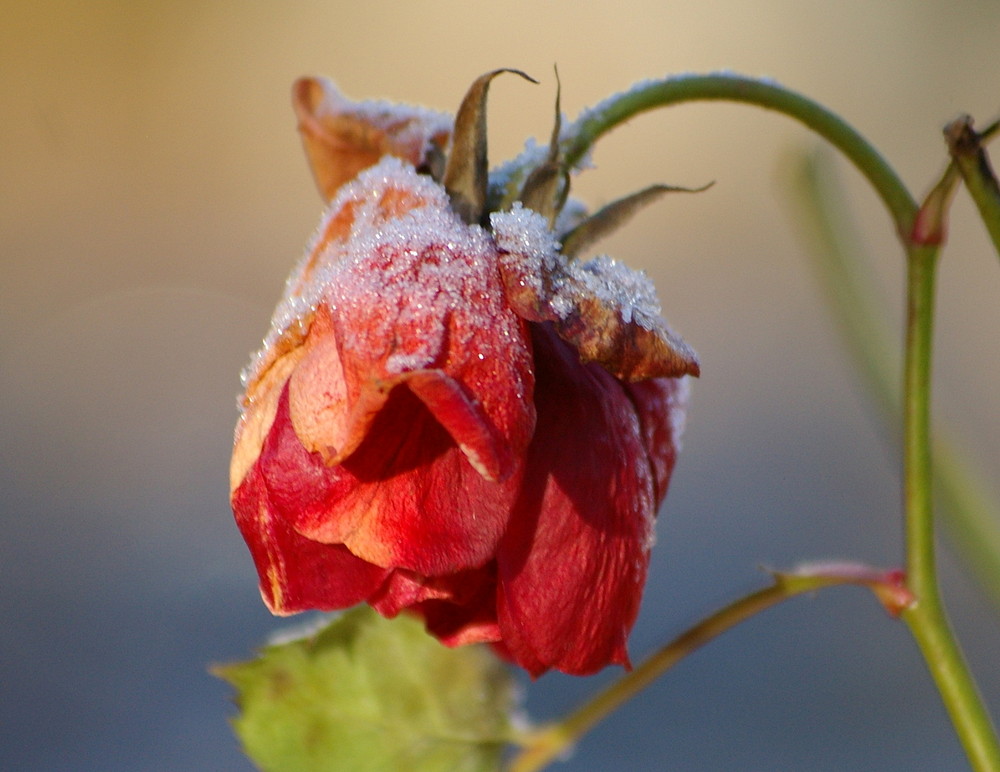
x=449 y=415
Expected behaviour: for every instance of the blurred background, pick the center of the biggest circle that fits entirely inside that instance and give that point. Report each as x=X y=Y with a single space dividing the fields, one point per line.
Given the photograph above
x=153 y=197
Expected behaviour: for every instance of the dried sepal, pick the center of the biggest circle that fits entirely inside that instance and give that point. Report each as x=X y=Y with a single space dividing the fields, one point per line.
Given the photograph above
x=608 y=219
x=626 y=348
x=547 y=186
x=545 y=190
x=466 y=173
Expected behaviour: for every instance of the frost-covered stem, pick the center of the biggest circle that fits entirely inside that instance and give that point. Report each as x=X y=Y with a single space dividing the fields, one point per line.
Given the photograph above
x=736 y=88
x=548 y=743
x=926 y=617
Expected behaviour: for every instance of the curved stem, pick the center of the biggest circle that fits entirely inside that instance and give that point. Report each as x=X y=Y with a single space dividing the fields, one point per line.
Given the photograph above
x=926 y=618
x=967 y=505
x=736 y=88
x=971 y=515
x=548 y=743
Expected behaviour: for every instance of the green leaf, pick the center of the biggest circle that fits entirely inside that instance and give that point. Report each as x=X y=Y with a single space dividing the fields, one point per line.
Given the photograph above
x=366 y=693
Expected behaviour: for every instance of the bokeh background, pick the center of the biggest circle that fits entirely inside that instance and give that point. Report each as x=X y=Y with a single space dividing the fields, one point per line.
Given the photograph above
x=154 y=196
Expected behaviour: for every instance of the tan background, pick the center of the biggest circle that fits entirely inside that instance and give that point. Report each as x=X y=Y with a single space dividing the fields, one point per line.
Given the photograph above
x=153 y=196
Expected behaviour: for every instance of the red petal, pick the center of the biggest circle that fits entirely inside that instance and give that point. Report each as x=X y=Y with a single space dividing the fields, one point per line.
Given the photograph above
x=458 y=609
x=486 y=450
x=297 y=574
x=407 y=293
x=406 y=498
x=661 y=404
x=573 y=562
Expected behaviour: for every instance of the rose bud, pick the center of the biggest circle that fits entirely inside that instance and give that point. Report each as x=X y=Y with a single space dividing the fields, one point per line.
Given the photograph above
x=449 y=416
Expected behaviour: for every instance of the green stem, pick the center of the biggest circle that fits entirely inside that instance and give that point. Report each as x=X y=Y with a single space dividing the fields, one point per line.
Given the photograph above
x=735 y=88
x=970 y=156
x=968 y=507
x=546 y=744
x=966 y=149
x=926 y=618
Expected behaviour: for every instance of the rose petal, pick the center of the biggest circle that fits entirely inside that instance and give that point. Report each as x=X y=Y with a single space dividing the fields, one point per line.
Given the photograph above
x=661 y=405
x=458 y=609
x=608 y=312
x=469 y=427
x=455 y=625
x=573 y=561
x=406 y=498
x=327 y=422
x=297 y=574
x=260 y=402
x=342 y=137
x=410 y=295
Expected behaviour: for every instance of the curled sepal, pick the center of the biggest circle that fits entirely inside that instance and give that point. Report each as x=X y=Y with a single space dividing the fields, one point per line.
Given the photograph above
x=367 y=693
x=888 y=586
x=547 y=187
x=607 y=220
x=466 y=173
x=342 y=137
x=606 y=311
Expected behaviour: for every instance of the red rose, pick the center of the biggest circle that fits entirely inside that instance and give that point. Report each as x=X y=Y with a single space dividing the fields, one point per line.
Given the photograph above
x=452 y=418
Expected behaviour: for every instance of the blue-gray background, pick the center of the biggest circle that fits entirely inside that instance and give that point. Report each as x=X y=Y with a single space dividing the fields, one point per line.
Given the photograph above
x=154 y=196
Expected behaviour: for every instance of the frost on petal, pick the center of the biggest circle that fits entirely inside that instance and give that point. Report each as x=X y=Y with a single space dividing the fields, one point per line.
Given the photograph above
x=573 y=562
x=395 y=285
x=608 y=312
x=296 y=573
x=342 y=137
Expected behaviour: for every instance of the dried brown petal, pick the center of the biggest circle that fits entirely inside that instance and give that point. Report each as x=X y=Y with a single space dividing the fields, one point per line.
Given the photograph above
x=342 y=137
x=608 y=312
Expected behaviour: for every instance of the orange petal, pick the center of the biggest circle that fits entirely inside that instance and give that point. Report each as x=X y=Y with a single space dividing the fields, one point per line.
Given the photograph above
x=259 y=406
x=327 y=419
x=342 y=137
